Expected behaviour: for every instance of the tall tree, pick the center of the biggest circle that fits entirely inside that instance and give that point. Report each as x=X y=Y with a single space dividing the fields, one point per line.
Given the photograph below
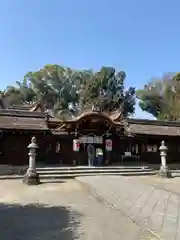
x=105 y=89
x=161 y=97
x=17 y=95
x=67 y=91
x=57 y=87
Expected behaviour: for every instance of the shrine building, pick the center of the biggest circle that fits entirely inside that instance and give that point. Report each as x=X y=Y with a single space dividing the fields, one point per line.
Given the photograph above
x=65 y=142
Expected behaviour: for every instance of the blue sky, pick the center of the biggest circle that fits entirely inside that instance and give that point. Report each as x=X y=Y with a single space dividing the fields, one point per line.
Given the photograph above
x=140 y=37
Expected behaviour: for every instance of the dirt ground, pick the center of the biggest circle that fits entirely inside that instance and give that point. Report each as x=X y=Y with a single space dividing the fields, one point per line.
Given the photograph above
x=64 y=210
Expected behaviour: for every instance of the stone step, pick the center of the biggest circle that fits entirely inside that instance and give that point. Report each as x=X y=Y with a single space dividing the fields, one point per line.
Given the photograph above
x=20 y=170
x=87 y=168
x=80 y=171
x=9 y=177
x=74 y=175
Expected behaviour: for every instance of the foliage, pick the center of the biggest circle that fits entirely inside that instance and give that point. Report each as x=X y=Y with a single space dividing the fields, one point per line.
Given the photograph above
x=161 y=97
x=19 y=95
x=67 y=91
x=105 y=89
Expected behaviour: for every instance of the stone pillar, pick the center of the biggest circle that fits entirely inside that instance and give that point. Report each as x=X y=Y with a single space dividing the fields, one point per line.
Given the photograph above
x=32 y=177
x=164 y=171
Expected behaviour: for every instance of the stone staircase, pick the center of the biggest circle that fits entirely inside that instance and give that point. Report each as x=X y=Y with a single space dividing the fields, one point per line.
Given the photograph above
x=56 y=172
x=72 y=172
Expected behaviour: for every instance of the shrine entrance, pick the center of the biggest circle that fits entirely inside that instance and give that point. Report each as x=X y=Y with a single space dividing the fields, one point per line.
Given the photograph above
x=92 y=150
x=94 y=131
x=90 y=146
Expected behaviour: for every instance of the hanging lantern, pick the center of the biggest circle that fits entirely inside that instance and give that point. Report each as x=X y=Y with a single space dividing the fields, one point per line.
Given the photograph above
x=108 y=145
x=76 y=145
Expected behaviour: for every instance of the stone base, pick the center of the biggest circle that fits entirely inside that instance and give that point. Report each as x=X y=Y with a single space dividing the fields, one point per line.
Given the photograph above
x=164 y=172
x=31 y=178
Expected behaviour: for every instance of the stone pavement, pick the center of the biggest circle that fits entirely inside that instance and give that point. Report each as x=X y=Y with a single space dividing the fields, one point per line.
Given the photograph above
x=154 y=206
x=169 y=184
x=63 y=210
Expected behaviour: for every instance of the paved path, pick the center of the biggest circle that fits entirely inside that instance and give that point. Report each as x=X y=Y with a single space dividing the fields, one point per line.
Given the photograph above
x=62 y=210
x=155 y=208
x=169 y=184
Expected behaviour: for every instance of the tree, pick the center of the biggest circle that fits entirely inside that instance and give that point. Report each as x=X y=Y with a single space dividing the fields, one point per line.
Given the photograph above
x=67 y=91
x=161 y=97
x=57 y=87
x=105 y=89
x=19 y=94
x=16 y=95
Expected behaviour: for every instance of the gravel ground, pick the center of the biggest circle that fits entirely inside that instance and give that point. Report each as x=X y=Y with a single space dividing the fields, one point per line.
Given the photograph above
x=63 y=210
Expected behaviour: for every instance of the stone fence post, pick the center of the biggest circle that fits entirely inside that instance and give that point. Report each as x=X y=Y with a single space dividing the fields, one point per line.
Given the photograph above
x=32 y=177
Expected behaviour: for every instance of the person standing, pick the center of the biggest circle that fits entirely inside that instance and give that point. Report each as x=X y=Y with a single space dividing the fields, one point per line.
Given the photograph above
x=99 y=156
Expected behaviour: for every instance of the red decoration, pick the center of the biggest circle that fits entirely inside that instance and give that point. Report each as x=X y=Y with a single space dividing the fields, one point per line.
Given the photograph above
x=76 y=145
x=108 y=145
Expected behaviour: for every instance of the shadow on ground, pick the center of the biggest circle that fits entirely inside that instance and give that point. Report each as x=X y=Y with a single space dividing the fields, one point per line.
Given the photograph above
x=38 y=222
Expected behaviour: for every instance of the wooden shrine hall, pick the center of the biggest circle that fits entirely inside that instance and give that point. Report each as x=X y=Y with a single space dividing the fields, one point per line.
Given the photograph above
x=122 y=141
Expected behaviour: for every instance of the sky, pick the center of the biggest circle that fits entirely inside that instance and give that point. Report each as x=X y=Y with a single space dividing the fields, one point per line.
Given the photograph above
x=139 y=37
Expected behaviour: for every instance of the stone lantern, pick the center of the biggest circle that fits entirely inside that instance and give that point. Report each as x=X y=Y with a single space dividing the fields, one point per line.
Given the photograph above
x=164 y=171
x=32 y=177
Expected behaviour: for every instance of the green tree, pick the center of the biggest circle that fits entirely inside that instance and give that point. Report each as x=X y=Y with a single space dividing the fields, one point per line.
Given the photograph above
x=105 y=90
x=57 y=87
x=161 y=97
x=67 y=91
x=16 y=95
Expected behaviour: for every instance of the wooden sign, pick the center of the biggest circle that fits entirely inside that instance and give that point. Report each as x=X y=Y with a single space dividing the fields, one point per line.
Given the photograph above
x=91 y=140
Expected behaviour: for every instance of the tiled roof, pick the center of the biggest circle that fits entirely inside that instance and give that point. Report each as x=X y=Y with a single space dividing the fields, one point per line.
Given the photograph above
x=137 y=126
x=155 y=130
x=20 y=107
x=10 y=119
x=29 y=120
x=153 y=127
x=22 y=113
x=91 y=114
